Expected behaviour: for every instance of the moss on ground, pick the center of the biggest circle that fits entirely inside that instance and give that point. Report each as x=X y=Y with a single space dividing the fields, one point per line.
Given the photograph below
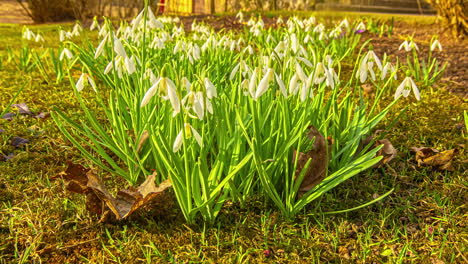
x=422 y=221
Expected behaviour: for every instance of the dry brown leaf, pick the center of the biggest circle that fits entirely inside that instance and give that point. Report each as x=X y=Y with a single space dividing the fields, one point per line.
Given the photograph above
x=100 y=201
x=433 y=158
x=388 y=151
x=317 y=169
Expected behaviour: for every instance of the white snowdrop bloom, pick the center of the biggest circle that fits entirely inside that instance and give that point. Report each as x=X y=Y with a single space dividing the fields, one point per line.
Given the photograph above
x=344 y=24
x=188 y=131
x=436 y=45
x=194 y=101
x=94 y=25
x=28 y=34
x=263 y=85
x=186 y=83
x=373 y=57
x=408 y=45
x=305 y=61
x=240 y=16
x=319 y=73
x=62 y=35
x=388 y=67
x=293 y=43
x=166 y=90
x=65 y=53
x=300 y=72
x=103 y=31
x=109 y=67
x=366 y=66
x=210 y=89
x=279 y=20
x=253 y=82
x=119 y=48
x=281 y=85
x=320 y=28
x=360 y=27
x=100 y=48
x=293 y=85
x=129 y=65
x=39 y=38
x=83 y=81
x=405 y=88
x=77 y=29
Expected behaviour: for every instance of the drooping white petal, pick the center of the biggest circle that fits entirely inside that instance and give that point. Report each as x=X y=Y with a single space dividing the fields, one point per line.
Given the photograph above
x=178 y=142
x=109 y=67
x=252 y=82
x=173 y=97
x=150 y=93
x=415 y=90
x=91 y=82
x=300 y=72
x=66 y=53
x=263 y=85
x=293 y=85
x=281 y=85
x=80 y=83
x=234 y=71
x=119 y=48
x=210 y=89
x=197 y=136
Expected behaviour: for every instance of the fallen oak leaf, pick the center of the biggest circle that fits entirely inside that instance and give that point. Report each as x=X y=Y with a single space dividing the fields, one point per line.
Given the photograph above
x=434 y=158
x=100 y=201
x=388 y=151
x=317 y=169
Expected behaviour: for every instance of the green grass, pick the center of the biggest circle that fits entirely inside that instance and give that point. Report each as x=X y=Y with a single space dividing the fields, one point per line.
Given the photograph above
x=423 y=220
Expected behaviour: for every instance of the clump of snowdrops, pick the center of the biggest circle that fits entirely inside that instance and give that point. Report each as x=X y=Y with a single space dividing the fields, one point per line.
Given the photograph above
x=222 y=114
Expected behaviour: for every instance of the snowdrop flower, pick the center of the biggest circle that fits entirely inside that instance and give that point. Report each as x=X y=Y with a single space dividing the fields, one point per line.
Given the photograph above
x=240 y=16
x=210 y=89
x=100 y=48
x=103 y=31
x=194 y=101
x=189 y=132
x=62 y=35
x=39 y=38
x=77 y=29
x=279 y=20
x=367 y=65
x=293 y=85
x=65 y=53
x=281 y=85
x=405 y=88
x=388 y=66
x=361 y=27
x=319 y=74
x=263 y=85
x=84 y=80
x=28 y=34
x=166 y=89
x=408 y=46
x=436 y=45
x=129 y=65
x=118 y=48
x=94 y=25
x=344 y=24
